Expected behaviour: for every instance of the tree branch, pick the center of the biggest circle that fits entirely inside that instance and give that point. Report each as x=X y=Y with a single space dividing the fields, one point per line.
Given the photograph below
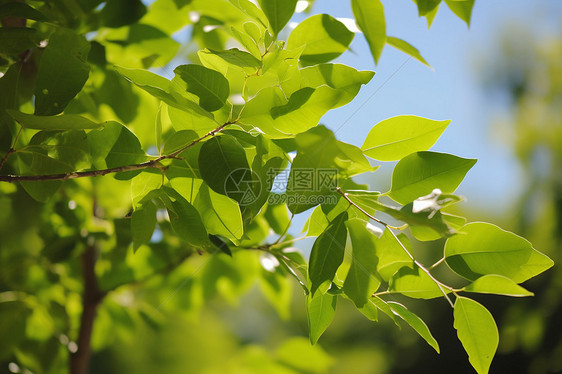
x=94 y=173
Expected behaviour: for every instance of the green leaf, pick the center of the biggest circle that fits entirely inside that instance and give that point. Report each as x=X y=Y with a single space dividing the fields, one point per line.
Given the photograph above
x=16 y=40
x=168 y=15
x=220 y=214
x=278 y=12
x=41 y=191
x=415 y=322
x=278 y=217
x=383 y=306
x=323 y=37
x=369 y=310
x=221 y=244
x=186 y=166
x=287 y=123
x=420 y=173
x=362 y=278
x=427 y=233
x=369 y=15
x=10 y=82
x=161 y=88
x=16 y=9
x=186 y=221
x=119 y=94
x=484 y=249
x=115 y=145
x=246 y=41
x=59 y=122
x=184 y=113
x=295 y=263
x=335 y=85
x=62 y=71
x=154 y=84
x=178 y=140
x=391 y=255
x=407 y=48
x=224 y=167
x=139 y=46
x=397 y=137
x=69 y=148
x=254 y=31
x=426 y=6
x=250 y=8
x=345 y=79
x=320 y=310
x=296 y=101
x=497 y=284
x=234 y=57
x=267 y=164
x=462 y=8
x=477 y=332
x=187 y=187
x=430 y=16
x=50 y=152
x=121 y=13
x=321 y=160
x=209 y=85
x=316 y=222
x=144 y=185
x=143 y=223
x=327 y=252
x=415 y=283
x=192 y=117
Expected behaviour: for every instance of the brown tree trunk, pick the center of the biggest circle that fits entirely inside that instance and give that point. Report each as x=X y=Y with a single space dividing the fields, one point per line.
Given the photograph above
x=91 y=298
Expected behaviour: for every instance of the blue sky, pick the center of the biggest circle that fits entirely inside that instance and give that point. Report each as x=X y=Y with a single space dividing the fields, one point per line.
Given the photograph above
x=451 y=91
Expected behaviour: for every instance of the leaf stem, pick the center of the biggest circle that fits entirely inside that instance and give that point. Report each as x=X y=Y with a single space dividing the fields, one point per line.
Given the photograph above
x=420 y=265
x=437 y=263
x=387 y=292
x=94 y=173
x=287 y=242
x=284 y=231
x=425 y=270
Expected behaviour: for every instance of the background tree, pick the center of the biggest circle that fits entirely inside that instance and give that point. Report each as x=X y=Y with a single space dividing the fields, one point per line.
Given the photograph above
x=190 y=202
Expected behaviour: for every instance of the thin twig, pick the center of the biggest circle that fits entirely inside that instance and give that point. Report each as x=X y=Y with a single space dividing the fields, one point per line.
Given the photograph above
x=11 y=150
x=94 y=173
x=420 y=265
x=345 y=195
